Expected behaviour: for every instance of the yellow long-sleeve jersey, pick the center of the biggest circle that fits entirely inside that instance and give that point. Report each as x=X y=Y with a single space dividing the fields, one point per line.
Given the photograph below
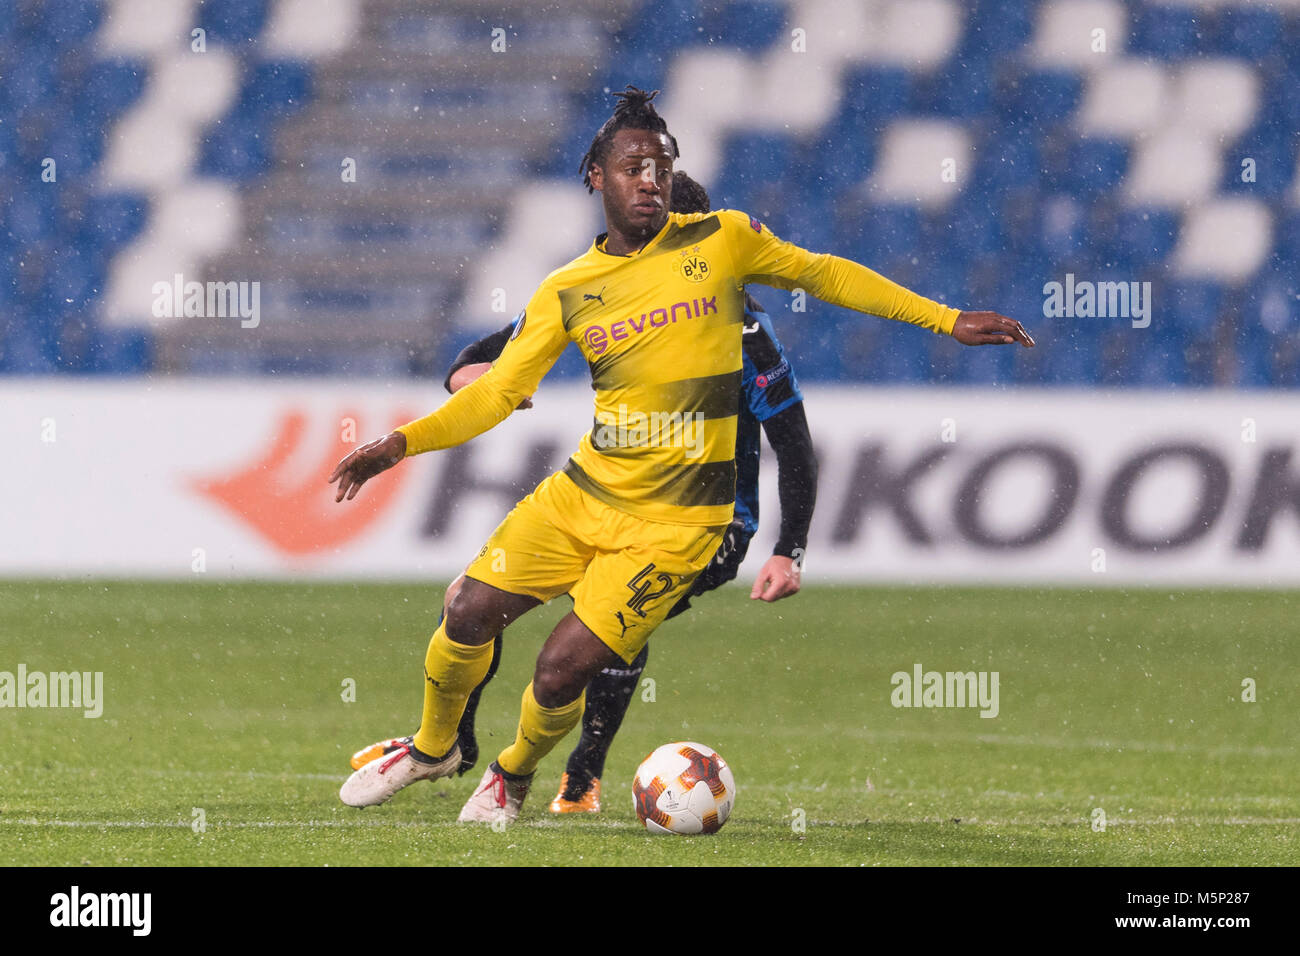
x=661 y=331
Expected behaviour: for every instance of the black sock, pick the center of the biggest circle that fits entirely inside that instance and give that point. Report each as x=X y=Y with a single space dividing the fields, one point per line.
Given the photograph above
x=608 y=697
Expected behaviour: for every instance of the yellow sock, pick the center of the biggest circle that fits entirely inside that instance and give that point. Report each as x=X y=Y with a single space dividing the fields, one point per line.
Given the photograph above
x=540 y=729
x=451 y=672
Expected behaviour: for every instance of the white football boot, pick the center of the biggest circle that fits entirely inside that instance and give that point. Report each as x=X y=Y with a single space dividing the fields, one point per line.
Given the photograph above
x=497 y=799
x=379 y=779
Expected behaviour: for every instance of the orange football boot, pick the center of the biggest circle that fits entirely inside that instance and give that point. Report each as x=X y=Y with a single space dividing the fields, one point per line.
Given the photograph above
x=588 y=802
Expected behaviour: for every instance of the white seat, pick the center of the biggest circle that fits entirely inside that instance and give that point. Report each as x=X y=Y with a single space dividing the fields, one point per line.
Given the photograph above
x=143 y=27
x=911 y=161
x=1063 y=36
x=305 y=29
x=202 y=217
x=1216 y=97
x=797 y=94
x=1225 y=240
x=192 y=87
x=145 y=152
x=1173 y=168
x=1124 y=99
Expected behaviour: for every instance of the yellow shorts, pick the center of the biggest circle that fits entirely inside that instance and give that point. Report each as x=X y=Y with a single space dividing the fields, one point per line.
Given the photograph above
x=625 y=573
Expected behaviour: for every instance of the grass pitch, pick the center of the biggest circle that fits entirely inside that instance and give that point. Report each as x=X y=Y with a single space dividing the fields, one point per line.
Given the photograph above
x=224 y=703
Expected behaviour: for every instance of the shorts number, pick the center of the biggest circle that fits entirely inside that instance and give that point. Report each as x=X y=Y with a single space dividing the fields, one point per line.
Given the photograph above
x=643 y=590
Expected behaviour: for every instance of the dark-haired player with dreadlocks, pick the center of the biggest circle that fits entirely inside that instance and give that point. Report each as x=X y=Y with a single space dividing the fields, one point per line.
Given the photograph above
x=770 y=400
x=657 y=306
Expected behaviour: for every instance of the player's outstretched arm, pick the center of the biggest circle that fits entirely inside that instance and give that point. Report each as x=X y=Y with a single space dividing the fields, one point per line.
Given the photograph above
x=762 y=257
x=365 y=462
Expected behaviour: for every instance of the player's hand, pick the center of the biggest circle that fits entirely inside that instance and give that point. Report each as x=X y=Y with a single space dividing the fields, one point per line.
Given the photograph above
x=467 y=373
x=366 y=462
x=989 y=328
x=777 y=578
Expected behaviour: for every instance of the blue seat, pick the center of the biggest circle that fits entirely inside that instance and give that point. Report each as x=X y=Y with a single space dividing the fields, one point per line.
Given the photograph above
x=974 y=229
x=986 y=366
x=997 y=26
x=1249 y=32
x=113 y=219
x=840 y=156
x=1165 y=31
x=68 y=23
x=1071 y=350
x=123 y=351
x=806 y=218
x=1007 y=157
x=1186 y=309
x=30 y=80
x=1269 y=144
x=1061 y=227
x=879 y=235
x=232 y=22
x=751 y=25
x=76 y=147
x=751 y=161
x=108 y=87
x=72 y=280
x=1160 y=367
x=875 y=91
x=1257 y=351
x=1146 y=234
x=32 y=214
x=958 y=89
x=23 y=350
x=1038 y=97
x=237 y=157
x=1098 y=166
x=277 y=88
x=654 y=28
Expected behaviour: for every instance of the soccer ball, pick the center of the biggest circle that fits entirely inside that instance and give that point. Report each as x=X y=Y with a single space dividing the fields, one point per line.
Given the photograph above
x=683 y=788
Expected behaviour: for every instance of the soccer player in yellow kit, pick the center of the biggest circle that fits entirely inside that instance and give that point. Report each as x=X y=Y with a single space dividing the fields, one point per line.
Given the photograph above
x=656 y=305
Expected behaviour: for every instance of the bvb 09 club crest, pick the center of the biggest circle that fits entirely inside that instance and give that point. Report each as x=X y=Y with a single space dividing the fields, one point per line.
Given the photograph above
x=692 y=266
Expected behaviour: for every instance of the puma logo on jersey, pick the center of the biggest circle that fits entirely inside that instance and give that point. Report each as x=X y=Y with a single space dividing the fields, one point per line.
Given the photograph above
x=598 y=297
x=623 y=624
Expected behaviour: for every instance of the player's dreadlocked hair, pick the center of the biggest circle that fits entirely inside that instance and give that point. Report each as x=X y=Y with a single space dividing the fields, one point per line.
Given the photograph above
x=688 y=195
x=633 y=111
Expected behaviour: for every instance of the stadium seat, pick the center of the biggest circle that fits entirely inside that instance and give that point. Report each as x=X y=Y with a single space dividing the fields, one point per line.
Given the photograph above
x=142 y=28
x=1225 y=240
x=306 y=29
x=1215 y=97
x=108 y=87
x=1041 y=97
x=232 y=22
x=991 y=28
x=1185 y=310
x=750 y=25
x=1166 y=31
x=1125 y=98
x=911 y=161
x=1146 y=234
x=1098 y=166
x=1174 y=168
x=1249 y=32
x=68 y=23
x=1064 y=31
